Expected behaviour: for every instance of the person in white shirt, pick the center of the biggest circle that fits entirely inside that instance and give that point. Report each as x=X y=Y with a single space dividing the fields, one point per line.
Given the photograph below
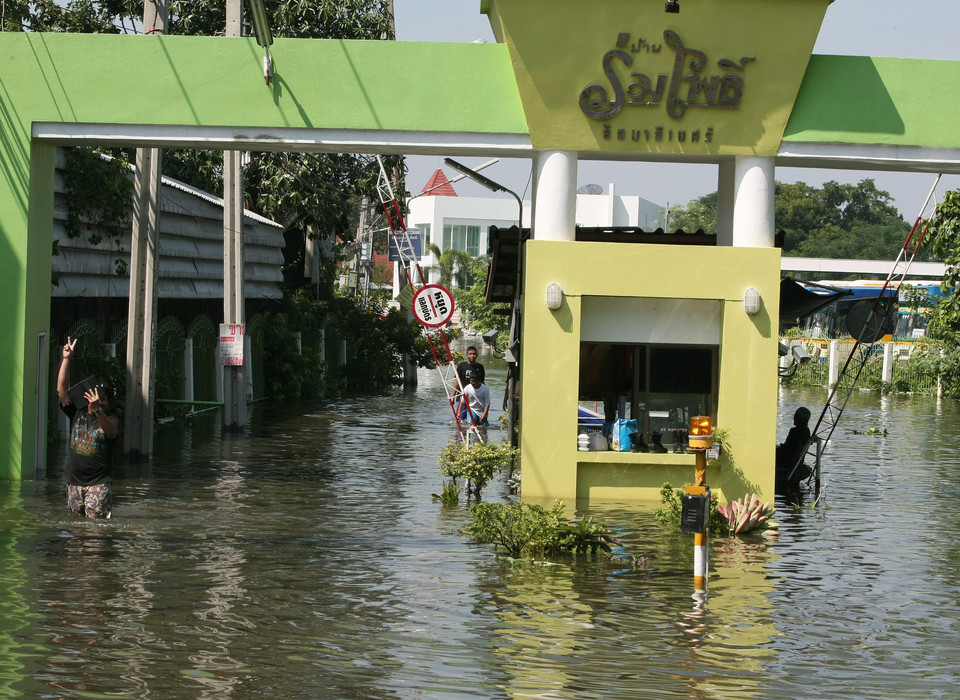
x=477 y=397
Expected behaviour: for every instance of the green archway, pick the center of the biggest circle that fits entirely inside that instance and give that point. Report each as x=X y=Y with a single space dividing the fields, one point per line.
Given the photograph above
x=327 y=95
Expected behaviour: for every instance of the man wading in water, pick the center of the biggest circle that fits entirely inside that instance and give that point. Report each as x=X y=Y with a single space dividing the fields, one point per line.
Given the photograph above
x=92 y=434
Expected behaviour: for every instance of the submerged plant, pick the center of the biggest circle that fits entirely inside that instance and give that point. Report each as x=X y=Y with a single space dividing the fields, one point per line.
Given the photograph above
x=524 y=528
x=474 y=464
x=748 y=513
x=584 y=535
x=517 y=528
x=450 y=495
x=882 y=432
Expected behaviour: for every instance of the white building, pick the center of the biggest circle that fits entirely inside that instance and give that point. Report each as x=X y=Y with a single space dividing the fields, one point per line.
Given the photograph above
x=448 y=220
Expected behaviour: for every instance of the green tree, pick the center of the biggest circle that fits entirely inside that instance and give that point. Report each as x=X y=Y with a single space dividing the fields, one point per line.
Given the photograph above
x=834 y=221
x=377 y=340
x=942 y=241
x=697 y=214
x=482 y=316
x=452 y=266
x=341 y=19
x=879 y=241
x=79 y=16
x=839 y=221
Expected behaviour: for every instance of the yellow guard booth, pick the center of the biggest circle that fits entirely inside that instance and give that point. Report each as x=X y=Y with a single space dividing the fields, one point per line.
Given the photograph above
x=653 y=328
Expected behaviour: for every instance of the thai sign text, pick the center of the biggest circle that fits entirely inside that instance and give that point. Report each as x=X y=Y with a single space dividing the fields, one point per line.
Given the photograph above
x=688 y=85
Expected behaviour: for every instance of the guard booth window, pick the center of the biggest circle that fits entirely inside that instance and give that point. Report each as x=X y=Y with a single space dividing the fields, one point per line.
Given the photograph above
x=661 y=386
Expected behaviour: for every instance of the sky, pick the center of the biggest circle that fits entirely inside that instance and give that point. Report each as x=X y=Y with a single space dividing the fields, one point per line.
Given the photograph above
x=899 y=28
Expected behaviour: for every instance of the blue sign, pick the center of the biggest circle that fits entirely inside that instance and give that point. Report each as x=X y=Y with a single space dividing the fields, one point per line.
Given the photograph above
x=412 y=249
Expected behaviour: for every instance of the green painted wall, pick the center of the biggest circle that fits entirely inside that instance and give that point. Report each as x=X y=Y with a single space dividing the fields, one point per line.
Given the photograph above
x=889 y=101
x=218 y=81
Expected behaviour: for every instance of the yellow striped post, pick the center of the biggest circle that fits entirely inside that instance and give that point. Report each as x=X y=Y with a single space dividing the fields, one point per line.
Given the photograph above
x=701 y=438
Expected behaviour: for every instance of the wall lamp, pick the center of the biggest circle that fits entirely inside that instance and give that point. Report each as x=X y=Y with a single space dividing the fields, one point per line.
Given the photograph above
x=261 y=28
x=751 y=301
x=554 y=296
x=672 y=6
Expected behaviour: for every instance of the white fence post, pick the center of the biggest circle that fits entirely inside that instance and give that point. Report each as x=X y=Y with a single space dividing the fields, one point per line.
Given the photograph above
x=833 y=373
x=188 y=369
x=887 y=373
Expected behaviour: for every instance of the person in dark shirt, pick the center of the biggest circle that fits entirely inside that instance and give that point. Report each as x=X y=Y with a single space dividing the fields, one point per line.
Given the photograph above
x=470 y=364
x=93 y=431
x=791 y=452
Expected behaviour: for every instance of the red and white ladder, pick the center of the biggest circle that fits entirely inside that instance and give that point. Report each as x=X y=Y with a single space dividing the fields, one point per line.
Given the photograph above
x=442 y=356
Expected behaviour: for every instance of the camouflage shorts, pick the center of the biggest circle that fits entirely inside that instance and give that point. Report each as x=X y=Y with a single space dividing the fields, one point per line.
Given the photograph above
x=90 y=501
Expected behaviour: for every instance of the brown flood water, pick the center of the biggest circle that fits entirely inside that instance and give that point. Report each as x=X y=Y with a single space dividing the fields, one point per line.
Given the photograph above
x=306 y=559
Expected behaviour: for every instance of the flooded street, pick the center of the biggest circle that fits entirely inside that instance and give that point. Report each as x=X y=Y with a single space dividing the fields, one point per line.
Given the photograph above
x=307 y=559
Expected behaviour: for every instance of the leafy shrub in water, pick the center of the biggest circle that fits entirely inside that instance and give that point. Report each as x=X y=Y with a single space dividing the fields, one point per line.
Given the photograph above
x=475 y=464
x=523 y=528
x=517 y=528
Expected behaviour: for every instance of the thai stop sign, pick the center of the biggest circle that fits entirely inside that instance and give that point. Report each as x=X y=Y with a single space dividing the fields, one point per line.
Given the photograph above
x=433 y=305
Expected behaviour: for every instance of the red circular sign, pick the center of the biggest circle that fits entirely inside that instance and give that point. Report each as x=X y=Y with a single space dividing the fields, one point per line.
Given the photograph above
x=433 y=305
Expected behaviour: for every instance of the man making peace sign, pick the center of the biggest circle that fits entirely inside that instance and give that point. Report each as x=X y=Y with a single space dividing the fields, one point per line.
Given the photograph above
x=93 y=430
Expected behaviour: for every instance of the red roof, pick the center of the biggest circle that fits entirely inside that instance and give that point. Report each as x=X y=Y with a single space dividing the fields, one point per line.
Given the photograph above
x=443 y=187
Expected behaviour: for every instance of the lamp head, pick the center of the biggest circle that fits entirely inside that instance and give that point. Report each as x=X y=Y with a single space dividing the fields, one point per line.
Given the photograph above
x=701 y=433
x=473 y=175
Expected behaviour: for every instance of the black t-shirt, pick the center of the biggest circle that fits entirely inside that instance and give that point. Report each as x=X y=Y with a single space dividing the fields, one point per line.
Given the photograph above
x=475 y=367
x=91 y=451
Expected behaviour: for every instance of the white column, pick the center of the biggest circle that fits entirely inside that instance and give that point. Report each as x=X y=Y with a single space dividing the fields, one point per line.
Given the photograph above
x=236 y=377
x=611 y=206
x=753 y=221
x=555 y=196
x=726 y=178
x=886 y=373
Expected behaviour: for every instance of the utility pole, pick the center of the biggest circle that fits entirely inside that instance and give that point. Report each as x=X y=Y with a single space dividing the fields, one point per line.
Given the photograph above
x=142 y=303
x=364 y=252
x=234 y=384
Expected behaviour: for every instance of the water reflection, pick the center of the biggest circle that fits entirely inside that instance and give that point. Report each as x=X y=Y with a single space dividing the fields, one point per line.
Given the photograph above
x=305 y=558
